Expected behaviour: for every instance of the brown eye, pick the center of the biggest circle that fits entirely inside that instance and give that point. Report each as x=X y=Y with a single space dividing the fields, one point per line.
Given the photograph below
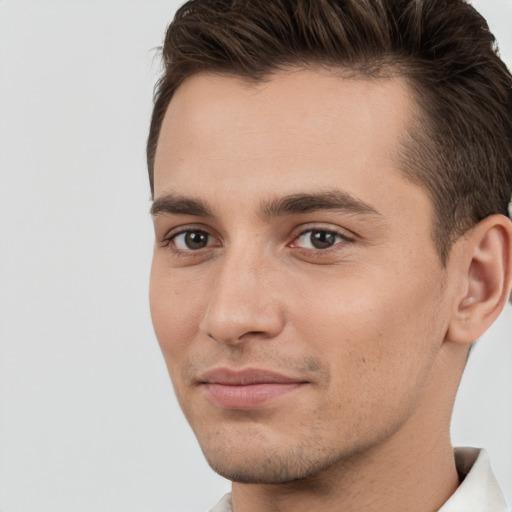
x=192 y=240
x=319 y=239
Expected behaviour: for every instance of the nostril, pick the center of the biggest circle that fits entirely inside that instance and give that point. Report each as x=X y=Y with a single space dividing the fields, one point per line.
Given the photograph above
x=261 y=334
x=230 y=339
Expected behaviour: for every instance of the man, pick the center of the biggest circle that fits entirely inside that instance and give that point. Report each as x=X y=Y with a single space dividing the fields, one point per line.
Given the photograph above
x=330 y=182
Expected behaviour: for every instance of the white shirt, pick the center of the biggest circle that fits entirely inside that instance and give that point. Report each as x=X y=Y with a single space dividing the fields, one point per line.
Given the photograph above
x=478 y=492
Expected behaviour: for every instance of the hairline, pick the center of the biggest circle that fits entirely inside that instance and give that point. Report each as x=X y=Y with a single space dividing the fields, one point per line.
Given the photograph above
x=383 y=67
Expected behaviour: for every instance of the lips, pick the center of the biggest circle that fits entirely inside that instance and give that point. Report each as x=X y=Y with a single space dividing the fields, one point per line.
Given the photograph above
x=246 y=389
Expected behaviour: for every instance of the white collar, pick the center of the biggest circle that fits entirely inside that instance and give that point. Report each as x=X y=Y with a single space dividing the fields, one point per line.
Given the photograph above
x=479 y=489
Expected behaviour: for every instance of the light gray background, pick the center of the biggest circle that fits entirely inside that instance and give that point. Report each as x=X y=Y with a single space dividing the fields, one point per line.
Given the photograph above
x=88 y=420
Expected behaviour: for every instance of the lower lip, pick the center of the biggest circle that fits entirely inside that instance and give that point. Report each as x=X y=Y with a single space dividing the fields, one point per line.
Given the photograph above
x=248 y=396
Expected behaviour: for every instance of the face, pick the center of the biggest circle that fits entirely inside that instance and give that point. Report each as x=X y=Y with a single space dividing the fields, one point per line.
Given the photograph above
x=295 y=290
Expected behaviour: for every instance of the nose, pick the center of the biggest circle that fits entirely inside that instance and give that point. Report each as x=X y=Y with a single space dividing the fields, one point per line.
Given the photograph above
x=243 y=304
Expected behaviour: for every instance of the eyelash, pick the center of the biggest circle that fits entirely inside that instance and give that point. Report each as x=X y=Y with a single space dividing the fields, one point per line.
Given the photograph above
x=168 y=241
x=344 y=239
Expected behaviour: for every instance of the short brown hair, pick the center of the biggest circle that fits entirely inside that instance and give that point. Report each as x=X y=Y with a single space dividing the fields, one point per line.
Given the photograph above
x=459 y=147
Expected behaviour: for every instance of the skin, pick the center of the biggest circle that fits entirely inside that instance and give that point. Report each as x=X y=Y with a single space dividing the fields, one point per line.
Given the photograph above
x=363 y=325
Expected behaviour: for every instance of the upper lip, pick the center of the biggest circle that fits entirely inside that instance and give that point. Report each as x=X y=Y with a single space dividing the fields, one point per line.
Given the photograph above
x=245 y=377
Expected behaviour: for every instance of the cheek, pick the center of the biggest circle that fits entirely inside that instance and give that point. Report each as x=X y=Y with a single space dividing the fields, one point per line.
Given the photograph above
x=175 y=305
x=376 y=333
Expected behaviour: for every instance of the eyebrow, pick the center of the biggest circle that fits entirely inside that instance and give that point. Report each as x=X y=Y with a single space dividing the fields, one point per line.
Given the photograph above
x=337 y=200
x=180 y=205
x=334 y=200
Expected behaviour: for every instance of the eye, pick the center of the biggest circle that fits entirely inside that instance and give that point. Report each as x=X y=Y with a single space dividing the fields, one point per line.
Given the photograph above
x=192 y=240
x=318 y=239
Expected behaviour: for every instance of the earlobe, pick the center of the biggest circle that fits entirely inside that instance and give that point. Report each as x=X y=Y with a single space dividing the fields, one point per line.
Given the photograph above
x=487 y=262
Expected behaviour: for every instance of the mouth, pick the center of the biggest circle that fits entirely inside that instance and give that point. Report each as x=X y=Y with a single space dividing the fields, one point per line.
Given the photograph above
x=246 y=389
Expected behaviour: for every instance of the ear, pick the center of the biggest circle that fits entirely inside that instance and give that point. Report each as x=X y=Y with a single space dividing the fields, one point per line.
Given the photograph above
x=485 y=260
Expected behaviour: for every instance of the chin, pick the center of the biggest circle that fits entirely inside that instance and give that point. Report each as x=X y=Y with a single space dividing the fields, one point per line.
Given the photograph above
x=267 y=471
x=269 y=465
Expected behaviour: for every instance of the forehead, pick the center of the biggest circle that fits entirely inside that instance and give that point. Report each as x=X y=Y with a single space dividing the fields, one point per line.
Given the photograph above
x=297 y=130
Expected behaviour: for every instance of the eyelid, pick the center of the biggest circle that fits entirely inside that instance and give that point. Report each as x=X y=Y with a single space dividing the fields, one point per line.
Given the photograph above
x=166 y=240
x=328 y=228
x=179 y=245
